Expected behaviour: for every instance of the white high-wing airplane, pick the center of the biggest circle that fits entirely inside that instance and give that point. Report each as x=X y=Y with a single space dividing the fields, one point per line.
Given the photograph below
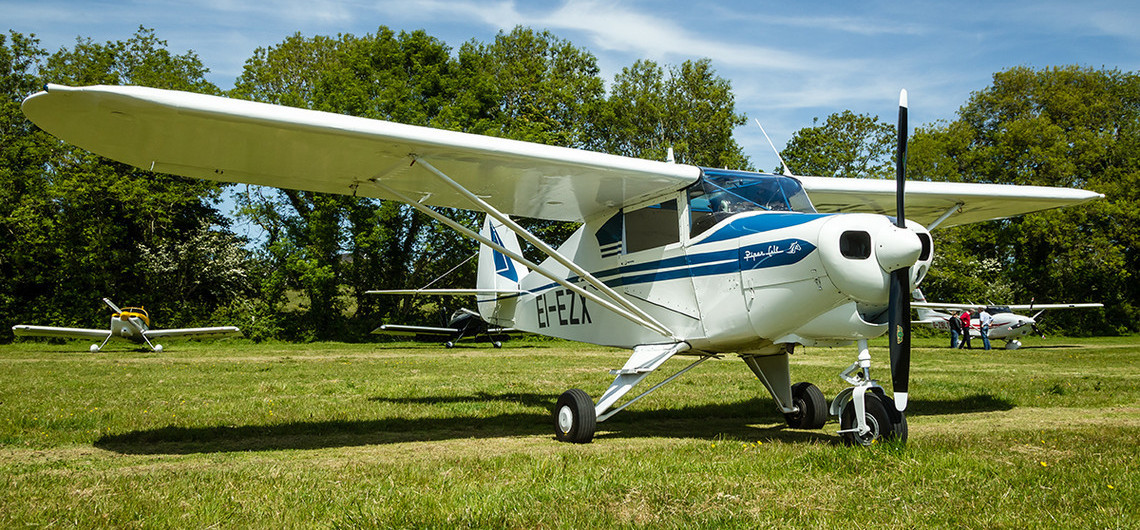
x=132 y=323
x=1007 y=325
x=670 y=259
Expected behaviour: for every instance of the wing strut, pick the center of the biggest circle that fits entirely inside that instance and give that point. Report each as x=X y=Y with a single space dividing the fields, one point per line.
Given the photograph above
x=546 y=249
x=635 y=318
x=957 y=208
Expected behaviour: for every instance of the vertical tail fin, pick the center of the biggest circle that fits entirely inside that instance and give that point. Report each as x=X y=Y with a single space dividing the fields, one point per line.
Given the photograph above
x=924 y=313
x=498 y=271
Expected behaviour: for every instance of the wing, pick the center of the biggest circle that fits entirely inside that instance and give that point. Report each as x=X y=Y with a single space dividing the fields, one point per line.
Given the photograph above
x=927 y=201
x=1020 y=307
x=231 y=140
x=1030 y=307
x=396 y=329
x=938 y=305
x=194 y=333
x=70 y=333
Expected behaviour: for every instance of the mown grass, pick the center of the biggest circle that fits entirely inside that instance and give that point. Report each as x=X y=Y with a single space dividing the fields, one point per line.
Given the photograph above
x=343 y=435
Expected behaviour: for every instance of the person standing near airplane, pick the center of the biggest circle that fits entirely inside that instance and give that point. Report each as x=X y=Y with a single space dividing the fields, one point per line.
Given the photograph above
x=965 y=331
x=986 y=319
x=955 y=330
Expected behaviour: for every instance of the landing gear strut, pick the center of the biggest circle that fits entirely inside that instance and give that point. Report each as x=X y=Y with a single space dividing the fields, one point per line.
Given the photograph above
x=866 y=415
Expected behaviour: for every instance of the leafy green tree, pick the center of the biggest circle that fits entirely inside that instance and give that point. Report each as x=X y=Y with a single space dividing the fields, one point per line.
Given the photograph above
x=846 y=145
x=689 y=108
x=540 y=88
x=81 y=223
x=25 y=227
x=332 y=248
x=1063 y=126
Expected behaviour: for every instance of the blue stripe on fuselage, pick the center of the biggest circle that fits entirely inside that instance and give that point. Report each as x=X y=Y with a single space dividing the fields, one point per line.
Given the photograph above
x=755 y=256
x=760 y=222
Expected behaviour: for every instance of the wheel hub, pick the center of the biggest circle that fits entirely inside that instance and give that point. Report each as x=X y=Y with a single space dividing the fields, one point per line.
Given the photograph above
x=565 y=419
x=872 y=433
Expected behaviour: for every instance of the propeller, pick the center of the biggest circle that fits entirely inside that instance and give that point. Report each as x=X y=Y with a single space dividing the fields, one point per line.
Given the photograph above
x=114 y=307
x=1033 y=319
x=898 y=327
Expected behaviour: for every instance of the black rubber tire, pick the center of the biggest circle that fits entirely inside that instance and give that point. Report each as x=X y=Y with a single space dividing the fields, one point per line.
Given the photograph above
x=900 y=426
x=574 y=418
x=813 y=407
x=877 y=419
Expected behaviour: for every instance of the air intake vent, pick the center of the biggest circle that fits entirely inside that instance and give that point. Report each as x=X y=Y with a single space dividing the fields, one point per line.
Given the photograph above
x=855 y=244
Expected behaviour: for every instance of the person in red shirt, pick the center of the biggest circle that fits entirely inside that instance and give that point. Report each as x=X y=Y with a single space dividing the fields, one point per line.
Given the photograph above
x=965 y=317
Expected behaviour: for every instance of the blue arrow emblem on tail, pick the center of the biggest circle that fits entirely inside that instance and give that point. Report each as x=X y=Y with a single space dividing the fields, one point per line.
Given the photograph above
x=503 y=266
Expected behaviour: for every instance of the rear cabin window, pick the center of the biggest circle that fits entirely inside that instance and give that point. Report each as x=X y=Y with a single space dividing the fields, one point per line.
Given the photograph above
x=651 y=227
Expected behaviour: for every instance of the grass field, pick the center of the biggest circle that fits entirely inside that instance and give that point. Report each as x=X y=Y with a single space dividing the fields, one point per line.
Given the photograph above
x=406 y=435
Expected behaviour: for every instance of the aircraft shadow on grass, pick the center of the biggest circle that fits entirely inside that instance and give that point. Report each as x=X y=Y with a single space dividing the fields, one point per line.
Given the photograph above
x=747 y=420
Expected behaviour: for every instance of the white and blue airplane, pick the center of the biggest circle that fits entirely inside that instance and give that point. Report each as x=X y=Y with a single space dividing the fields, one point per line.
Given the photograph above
x=670 y=259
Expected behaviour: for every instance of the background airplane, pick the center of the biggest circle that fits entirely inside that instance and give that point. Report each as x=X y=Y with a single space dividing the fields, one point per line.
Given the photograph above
x=463 y=324
x=670 y=259
x=131 y=324
x=1007 y=325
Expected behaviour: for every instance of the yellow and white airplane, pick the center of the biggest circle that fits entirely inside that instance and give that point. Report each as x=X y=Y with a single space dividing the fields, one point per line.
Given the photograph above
x=131 y=323
x=670 y=259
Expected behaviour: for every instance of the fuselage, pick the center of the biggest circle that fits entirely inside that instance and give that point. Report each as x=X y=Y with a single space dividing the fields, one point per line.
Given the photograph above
x=739 y=262
x=130 y=324
x=1005 y=326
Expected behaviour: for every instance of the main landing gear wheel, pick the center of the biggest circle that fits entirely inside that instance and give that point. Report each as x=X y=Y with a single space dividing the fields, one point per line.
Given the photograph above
x=878 y=420
x=812 y=407
x=574 y=417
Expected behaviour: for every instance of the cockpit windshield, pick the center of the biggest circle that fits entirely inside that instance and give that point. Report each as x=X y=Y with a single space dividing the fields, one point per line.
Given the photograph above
x=722 y=193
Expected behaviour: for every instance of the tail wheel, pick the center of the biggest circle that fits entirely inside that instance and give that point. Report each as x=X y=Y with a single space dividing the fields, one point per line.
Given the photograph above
x=574 y=417
x=875 y=413
x=812 y=413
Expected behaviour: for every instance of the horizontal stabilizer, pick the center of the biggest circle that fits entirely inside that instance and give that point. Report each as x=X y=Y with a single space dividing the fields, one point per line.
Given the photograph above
x=450 y=292
x=396 y=329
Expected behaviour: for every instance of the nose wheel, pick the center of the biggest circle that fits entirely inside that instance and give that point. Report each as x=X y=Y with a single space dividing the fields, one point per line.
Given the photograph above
x=877 y=419
x=866 y=415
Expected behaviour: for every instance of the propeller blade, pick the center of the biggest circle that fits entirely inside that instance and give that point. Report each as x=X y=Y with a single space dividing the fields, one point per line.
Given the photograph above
x=899 y=330
x=899 y=311
x=114 y=307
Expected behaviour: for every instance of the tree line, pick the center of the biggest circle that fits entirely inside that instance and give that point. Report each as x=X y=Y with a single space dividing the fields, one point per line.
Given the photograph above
x=78 y=227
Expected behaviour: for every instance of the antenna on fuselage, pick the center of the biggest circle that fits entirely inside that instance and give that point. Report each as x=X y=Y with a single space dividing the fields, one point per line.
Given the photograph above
x=669 y=156
x=787 y=172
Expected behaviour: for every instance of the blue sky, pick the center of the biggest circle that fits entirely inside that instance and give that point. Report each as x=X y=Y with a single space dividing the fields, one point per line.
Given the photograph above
x=788 y=61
